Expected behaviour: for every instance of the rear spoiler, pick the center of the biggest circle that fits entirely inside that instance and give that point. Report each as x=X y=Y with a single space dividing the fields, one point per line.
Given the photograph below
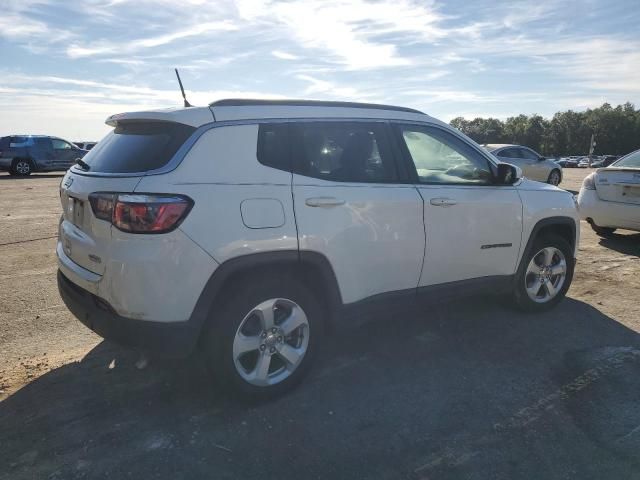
x=194 y=117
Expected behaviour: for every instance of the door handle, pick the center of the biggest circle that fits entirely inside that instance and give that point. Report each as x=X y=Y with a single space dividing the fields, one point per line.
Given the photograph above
x=442 y=202
x=324 y=202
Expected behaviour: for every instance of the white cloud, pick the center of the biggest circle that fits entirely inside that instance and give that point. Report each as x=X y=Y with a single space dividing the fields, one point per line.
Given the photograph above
x=131 y=46
x=329 y=89
x=284 y=55
x=350 y=32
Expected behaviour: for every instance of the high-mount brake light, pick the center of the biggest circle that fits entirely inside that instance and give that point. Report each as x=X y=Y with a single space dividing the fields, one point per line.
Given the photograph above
x=141 y=213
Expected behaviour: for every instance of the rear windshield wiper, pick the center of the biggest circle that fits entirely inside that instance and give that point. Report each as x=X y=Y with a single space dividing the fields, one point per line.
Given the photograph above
x=83 y=165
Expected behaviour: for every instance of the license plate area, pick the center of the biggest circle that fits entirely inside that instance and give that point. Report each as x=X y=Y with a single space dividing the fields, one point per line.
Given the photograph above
x=631 y=192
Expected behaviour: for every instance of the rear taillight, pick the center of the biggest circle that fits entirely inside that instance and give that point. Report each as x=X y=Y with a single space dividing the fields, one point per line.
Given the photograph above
x=141 y=213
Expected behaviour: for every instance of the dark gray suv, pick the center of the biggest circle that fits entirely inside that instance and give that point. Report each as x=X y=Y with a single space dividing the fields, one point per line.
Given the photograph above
x=23 y=154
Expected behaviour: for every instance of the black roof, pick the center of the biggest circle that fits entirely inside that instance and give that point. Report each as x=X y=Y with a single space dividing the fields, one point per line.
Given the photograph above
x=243 y=102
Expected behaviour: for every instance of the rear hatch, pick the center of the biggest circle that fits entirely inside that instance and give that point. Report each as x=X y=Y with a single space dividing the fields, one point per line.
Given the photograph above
x=619 y=185
x=133 y=149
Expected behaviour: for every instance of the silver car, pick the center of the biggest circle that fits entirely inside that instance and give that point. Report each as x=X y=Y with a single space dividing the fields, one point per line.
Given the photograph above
x=533 y=165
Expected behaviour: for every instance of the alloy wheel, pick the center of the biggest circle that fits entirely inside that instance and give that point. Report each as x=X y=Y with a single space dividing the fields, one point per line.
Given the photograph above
x=23 y=167
x=271 y=342
x=545 y=275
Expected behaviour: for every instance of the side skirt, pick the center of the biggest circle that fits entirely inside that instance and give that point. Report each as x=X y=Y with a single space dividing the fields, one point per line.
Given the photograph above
x=398 y=302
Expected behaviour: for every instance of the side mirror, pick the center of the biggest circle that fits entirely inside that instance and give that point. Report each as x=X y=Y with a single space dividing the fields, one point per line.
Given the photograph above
x=508 y=174
x=541 y=158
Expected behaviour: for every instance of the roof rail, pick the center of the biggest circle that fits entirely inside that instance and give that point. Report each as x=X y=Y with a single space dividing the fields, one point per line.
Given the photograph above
x=244 y=102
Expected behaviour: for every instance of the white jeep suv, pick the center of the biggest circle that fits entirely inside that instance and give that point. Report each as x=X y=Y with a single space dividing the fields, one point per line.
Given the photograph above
x=248 y=227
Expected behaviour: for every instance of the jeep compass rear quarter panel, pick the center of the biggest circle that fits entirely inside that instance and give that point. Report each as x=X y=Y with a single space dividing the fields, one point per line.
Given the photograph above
x=221 y=173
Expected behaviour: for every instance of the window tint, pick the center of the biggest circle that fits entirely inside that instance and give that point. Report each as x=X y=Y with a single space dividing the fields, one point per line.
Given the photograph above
x=60 y=144
x=343 y=152
x=273 y=146
x=16 y=142
x=528 y=154
x=509 y=153
x=631 y=160
x=42 y=143
x=440 y=157
x=138 y=147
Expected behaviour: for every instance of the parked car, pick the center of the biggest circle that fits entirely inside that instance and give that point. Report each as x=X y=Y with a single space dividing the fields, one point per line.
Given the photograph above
x=605 y=161
x=85 y=145
x=249 y=235
x=610 y=197
x=583 y=162
x=534 y=165
x=24 y=154
x=568 y=162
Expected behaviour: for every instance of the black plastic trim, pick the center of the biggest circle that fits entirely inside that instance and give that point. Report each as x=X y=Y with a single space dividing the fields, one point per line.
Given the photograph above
x=546 y=222
x=222 y=275
x=173 y=339
x=444 y=292
x=405 y=300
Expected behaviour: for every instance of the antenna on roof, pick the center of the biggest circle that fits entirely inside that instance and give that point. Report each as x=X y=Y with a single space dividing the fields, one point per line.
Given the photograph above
x=186 y=102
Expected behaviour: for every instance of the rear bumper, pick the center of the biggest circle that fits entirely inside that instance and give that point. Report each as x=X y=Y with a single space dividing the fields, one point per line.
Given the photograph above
x=167 y=338
x=607 y=214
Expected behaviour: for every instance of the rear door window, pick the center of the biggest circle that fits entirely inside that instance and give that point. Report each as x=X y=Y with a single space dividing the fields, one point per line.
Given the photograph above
x=42 y=143
x=273 y=146
x=527 y=154
x=343 y=152
x=509 y=153
x=138 y=147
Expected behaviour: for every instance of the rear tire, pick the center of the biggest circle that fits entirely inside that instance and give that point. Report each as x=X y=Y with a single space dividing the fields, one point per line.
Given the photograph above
x=22 y=167
x=544 y=274
x=605 y=232
x=238 y=323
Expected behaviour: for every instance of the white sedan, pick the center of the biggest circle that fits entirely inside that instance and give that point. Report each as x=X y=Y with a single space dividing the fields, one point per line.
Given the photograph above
x=610 y=197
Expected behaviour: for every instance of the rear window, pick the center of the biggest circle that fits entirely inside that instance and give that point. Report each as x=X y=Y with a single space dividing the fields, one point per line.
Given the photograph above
x=632 y=160
x=138 y=147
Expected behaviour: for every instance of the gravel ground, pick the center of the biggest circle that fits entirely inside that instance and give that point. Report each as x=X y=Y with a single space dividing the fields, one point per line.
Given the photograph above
x=463 y=391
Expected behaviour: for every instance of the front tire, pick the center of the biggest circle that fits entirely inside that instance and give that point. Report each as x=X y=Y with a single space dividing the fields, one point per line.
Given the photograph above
x=544 y=275
x=264 y=337
x=554 y=178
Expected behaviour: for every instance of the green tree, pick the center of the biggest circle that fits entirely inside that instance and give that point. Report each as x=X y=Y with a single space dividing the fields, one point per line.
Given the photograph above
x=616 y=130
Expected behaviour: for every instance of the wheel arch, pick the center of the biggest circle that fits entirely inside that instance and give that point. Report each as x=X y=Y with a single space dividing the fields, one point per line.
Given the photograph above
x=565 y=227
x=310 y=267
x=24 y=157
x=556 y=169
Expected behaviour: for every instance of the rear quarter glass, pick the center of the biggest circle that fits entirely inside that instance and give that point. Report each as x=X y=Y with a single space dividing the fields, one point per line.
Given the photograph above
x=138 y=147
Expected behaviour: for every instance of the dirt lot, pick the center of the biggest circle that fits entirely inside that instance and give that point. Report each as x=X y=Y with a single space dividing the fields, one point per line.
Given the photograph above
x=463 y=391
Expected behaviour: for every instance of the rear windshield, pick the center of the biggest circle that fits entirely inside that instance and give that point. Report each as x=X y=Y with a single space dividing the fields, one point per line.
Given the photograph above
x=137 y=147
x=632 y=160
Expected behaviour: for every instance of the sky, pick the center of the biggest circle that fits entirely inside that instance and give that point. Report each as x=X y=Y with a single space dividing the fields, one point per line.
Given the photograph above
x=67 y=65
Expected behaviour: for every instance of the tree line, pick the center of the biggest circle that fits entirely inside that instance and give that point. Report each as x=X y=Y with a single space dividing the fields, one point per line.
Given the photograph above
x=616 y=130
